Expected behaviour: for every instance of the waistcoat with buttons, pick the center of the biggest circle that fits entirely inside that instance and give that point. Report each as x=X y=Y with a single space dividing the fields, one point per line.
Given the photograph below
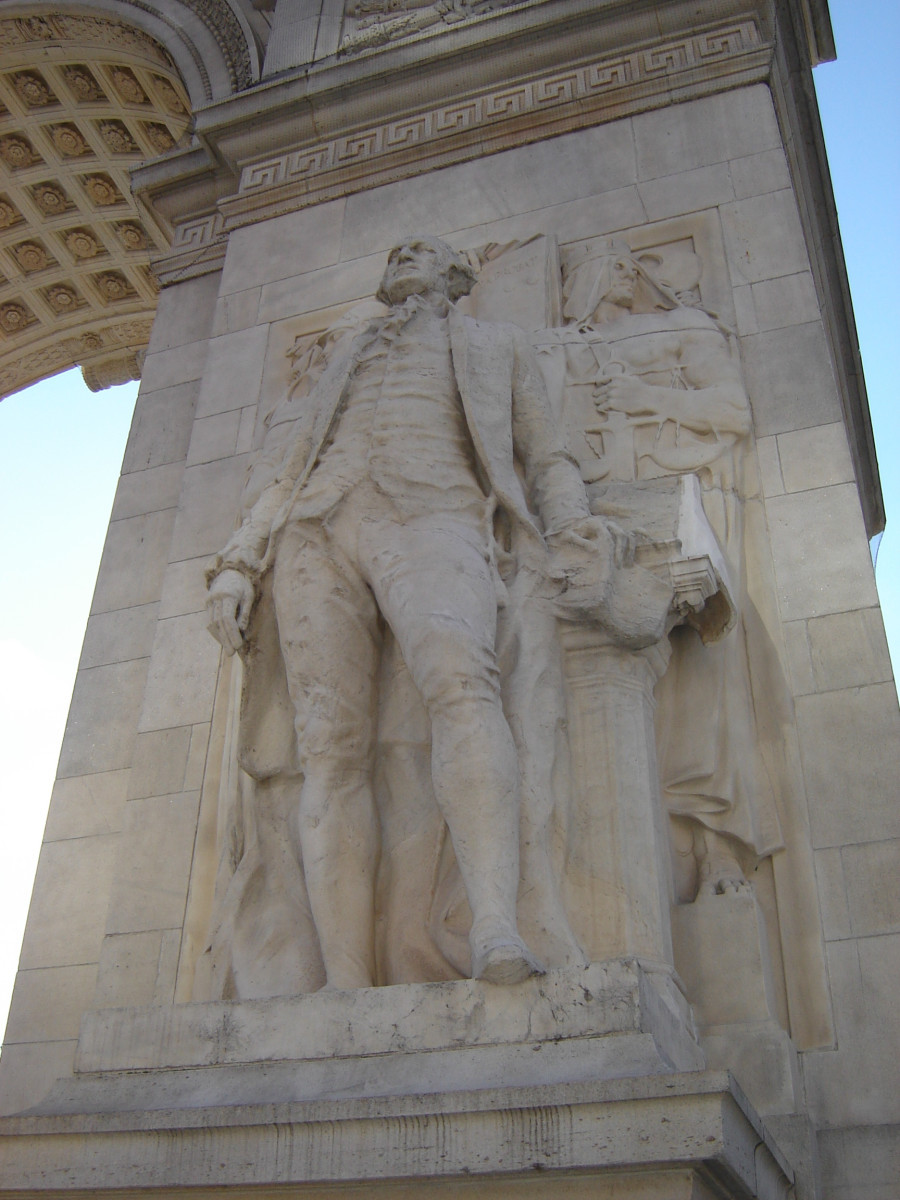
x=401 y=427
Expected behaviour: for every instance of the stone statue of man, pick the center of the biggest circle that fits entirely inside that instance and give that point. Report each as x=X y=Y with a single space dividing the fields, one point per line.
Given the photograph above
x=381 y=514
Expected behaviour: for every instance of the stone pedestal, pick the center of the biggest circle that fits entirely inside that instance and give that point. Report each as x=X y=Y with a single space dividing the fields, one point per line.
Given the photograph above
x=669 y=1137
x=606 y=1021
x=618 y=869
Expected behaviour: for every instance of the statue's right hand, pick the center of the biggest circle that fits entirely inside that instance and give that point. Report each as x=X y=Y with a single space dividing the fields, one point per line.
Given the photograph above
x=228 y=603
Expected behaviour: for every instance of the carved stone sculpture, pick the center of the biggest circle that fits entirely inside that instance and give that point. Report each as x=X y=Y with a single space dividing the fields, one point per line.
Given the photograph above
x=33 y=89
x=377 y=524
x=652 y=391
x=14 y=317
x=117 y=137
x=374 y=22
x=9 y=214
x=127 y=86
x=82 y=243
x=31 y=256
x=83 y=84
x=50 y=199
x=102 y=190
x=69 y=141
x=17 y=152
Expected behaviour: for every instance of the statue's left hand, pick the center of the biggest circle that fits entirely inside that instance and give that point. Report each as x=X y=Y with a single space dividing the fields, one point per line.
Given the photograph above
x=597 y=535
x=228 y=603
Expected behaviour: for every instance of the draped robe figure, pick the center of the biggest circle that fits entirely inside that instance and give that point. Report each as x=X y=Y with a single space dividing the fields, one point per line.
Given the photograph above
x=653 y=391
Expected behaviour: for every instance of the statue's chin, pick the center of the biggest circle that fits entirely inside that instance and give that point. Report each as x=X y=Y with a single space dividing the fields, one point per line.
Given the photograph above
x=402 y=290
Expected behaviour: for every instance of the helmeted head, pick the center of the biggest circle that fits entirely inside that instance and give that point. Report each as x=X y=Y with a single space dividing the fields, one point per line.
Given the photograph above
x=619 y=276
x=421 y=265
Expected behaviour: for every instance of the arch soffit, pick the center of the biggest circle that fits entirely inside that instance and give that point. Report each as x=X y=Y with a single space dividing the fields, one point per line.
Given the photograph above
x=211 y=42
x=88 y=91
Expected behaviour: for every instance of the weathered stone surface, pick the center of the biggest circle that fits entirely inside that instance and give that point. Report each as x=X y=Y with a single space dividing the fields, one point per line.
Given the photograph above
x=608 y=1020
x=692 y=1123
x=525 y=135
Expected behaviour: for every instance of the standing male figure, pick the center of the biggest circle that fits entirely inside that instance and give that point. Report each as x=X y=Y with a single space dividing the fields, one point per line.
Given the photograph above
x=382 y=511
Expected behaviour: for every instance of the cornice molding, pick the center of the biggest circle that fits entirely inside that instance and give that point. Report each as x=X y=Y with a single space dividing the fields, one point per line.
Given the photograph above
x=222 y=175
x=493 y=119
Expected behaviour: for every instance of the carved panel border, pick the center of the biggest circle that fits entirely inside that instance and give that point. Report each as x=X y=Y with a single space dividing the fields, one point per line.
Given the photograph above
x=526 y=111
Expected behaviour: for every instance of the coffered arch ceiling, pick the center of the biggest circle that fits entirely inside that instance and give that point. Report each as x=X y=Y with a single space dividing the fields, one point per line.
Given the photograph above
x=87 y=93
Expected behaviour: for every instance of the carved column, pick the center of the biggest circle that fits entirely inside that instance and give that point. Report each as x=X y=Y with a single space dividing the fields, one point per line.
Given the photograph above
x=618 y=868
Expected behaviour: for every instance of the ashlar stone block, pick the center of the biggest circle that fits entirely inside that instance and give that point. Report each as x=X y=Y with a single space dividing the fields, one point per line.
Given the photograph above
x=688 y=191
x=68 y=908
x=131 y=965
x=102 y=718
x=233 y=374
x=118 y=636
x=354 y=280
x=710 y=130
x=183 y=313
x=182 y=674
x=832 y=890
x=161 y=427
x=790 y=380
x=210 y=496
x=796 y=642
x=763 y=237
x=153 y=864
x=849 y=649
x=236 y=310
x=133 y=561
x=863 y=974
x=197 y=754
x=184 y=588
x=159 y=762
x=744 y=309
x=755 y=174
x=858 y=1153
x=147 y=491
x=527 y=179
x=851 y=762
x=821 y=556
x=814 y=458
x=787 y=300
x=769 y=466
x=48 y=1003
x=29 y=1070
x=290 y=245
x=167 y=368
x=214 y=437
x=872 y=893
x=86 y=804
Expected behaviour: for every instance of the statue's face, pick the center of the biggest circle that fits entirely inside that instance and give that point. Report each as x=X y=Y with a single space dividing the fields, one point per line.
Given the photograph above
x=624 y=282
x=415 y=267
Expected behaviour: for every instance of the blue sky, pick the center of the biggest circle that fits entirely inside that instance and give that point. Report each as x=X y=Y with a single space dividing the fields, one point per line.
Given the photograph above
x=61 y=446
